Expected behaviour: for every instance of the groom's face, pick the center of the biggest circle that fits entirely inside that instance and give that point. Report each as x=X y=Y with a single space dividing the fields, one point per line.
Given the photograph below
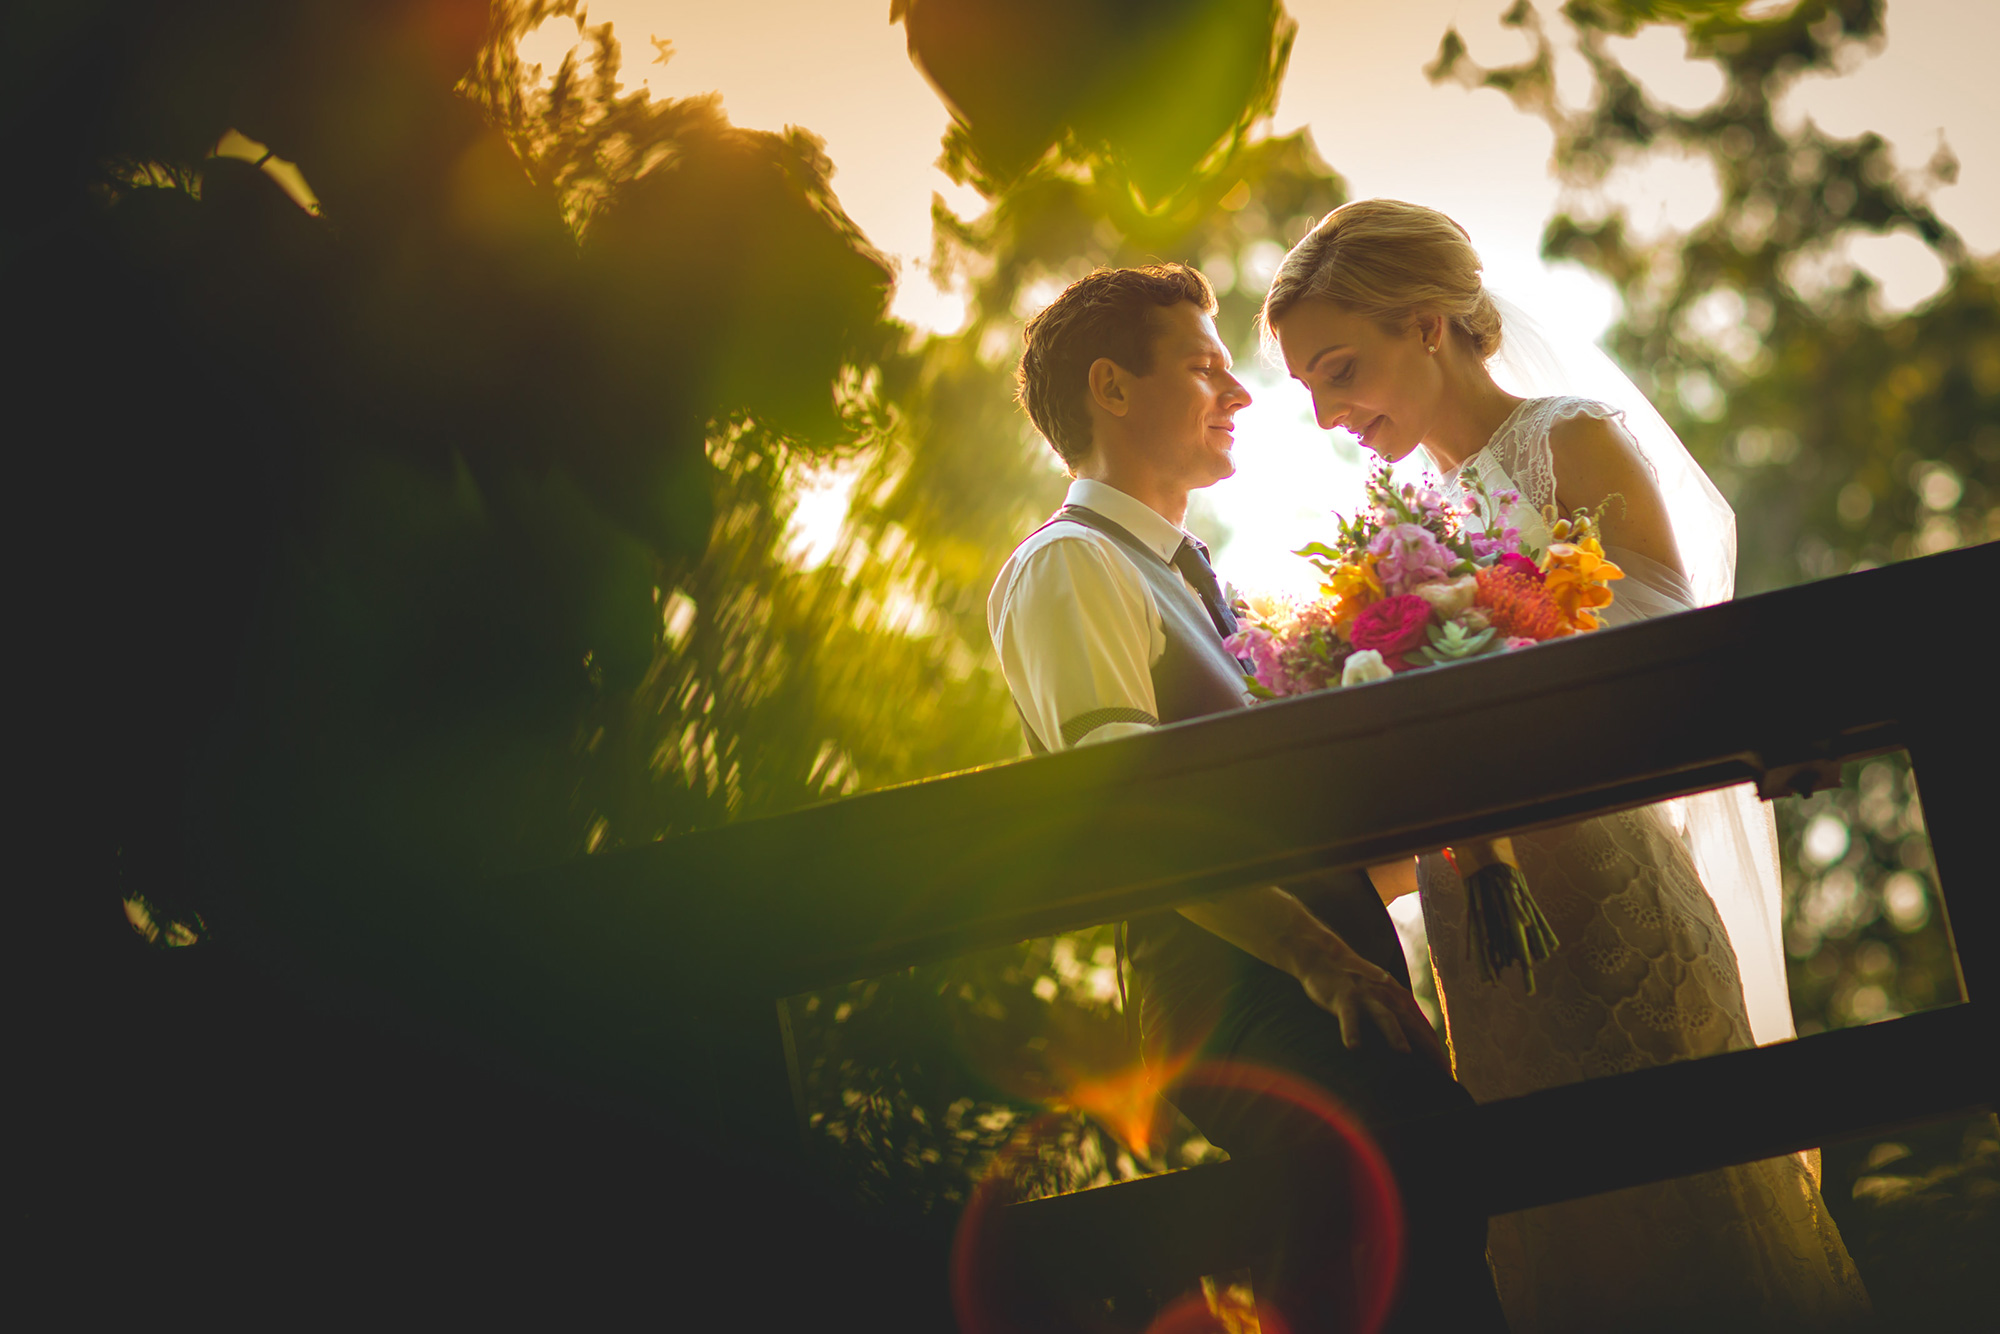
x=1371 y=381
x=1183 y=413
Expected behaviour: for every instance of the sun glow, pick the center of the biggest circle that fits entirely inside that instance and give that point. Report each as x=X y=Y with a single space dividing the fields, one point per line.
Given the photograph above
x=1291 y=479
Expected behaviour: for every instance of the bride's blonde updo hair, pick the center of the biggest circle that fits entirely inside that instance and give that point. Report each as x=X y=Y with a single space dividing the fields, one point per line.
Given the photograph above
x=1385 y=259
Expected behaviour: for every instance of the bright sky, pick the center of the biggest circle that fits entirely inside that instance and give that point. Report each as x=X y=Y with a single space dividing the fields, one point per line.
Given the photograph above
x=838 y=68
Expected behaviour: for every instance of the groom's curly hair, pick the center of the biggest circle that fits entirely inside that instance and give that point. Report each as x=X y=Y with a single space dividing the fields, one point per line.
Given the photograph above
x=1108 y=314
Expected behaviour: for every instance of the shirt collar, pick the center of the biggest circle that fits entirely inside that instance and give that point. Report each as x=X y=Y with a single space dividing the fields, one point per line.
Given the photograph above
x=1134 y=516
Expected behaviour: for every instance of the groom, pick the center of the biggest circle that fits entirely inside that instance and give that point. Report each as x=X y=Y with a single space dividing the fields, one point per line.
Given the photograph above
x=1109 y=621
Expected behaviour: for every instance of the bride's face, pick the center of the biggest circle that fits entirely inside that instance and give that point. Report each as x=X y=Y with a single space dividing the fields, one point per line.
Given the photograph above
x=1367 y=379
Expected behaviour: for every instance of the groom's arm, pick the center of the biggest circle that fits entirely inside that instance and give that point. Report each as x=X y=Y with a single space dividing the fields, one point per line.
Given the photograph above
x=1077 y=634
x=1270 y=924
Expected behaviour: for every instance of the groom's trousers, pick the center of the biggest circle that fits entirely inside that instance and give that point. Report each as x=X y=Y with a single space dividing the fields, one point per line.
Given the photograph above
x=1198 y=993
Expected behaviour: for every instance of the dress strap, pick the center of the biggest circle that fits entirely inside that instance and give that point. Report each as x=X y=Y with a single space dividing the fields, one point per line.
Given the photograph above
x=1520 y=449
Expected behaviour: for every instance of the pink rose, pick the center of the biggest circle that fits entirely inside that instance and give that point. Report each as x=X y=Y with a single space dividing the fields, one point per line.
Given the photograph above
x=1393 y=626
x=1519 y=564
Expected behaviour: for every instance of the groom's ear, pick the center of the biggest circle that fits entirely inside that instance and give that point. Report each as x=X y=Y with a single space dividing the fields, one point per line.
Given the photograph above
x=1108 y=388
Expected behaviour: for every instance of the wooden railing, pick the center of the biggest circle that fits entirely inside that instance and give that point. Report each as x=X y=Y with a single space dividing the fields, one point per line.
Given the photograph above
x=1780 y=689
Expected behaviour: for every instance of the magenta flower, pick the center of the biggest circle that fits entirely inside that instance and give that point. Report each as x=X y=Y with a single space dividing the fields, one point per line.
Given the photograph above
x=1392 y=626
x=1520 y=565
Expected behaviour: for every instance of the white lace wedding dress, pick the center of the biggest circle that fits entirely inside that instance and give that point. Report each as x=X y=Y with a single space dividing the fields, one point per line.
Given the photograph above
x=1644 y=974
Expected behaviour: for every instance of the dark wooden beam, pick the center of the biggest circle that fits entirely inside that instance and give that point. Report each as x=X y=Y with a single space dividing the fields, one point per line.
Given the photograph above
x=1673 y=1120
x=1768 y=685
x=1559 y=1144
x=1162 y=1232
x=654 y=970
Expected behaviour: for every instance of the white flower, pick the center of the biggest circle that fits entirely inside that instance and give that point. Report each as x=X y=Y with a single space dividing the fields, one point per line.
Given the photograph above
x=1363 y=667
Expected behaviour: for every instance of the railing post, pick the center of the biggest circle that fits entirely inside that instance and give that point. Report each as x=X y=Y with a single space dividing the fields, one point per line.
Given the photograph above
x=1955 y=783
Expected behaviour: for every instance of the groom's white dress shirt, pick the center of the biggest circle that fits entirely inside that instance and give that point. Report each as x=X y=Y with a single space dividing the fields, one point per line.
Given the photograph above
x=1076 y=625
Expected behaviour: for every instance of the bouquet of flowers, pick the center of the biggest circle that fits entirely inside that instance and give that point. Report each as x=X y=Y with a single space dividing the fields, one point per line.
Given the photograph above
x=1411 y=583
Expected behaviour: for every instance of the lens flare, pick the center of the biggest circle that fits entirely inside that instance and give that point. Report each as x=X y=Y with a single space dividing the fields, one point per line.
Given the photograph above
x=1128 y=1102
x=993 y=1292
x=1196 y=1313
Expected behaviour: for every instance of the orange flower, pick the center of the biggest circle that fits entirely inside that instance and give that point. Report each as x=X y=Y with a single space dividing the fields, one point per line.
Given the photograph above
x=1354 y=587
x=1518 y=606
x=1575 y=576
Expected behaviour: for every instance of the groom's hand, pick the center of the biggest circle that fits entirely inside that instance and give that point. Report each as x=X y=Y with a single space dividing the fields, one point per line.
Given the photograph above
x=1362 y=996
x=1267 y=922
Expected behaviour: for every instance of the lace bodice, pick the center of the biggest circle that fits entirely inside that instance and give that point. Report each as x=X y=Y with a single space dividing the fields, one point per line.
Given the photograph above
x=1519 y=459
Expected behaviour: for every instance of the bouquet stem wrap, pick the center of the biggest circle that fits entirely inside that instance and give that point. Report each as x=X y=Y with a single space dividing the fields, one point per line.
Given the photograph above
x=1504 y=924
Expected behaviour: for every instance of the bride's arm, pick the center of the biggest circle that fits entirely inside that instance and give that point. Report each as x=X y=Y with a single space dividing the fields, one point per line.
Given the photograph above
x=1595 y=458
x=1394 y=879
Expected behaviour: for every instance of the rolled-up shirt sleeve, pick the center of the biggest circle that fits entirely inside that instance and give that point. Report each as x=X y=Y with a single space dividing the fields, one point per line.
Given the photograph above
x=1077 y=635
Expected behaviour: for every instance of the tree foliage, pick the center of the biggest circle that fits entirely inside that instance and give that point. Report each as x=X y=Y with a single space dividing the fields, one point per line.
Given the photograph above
x=1845 y=436
x=440 y=527
x=425 y=431
x=413 y=443
x=1028 y=84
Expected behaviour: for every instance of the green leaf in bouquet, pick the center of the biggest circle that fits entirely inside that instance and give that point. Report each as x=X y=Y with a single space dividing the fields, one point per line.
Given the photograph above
x=1257 y=689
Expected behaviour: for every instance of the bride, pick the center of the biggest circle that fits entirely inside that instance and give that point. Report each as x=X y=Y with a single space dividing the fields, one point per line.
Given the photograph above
x=1667 y=915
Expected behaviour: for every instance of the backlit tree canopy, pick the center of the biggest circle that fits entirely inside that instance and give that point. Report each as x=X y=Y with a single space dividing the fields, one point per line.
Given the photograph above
x=377 y=505
x=1083 y=82
x=1843 y=435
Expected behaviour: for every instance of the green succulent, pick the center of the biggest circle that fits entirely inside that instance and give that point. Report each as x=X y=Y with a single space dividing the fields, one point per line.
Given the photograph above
x=1452 y=642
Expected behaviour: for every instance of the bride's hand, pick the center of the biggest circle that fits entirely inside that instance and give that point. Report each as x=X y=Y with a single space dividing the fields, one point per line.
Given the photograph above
x=1362 y=996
